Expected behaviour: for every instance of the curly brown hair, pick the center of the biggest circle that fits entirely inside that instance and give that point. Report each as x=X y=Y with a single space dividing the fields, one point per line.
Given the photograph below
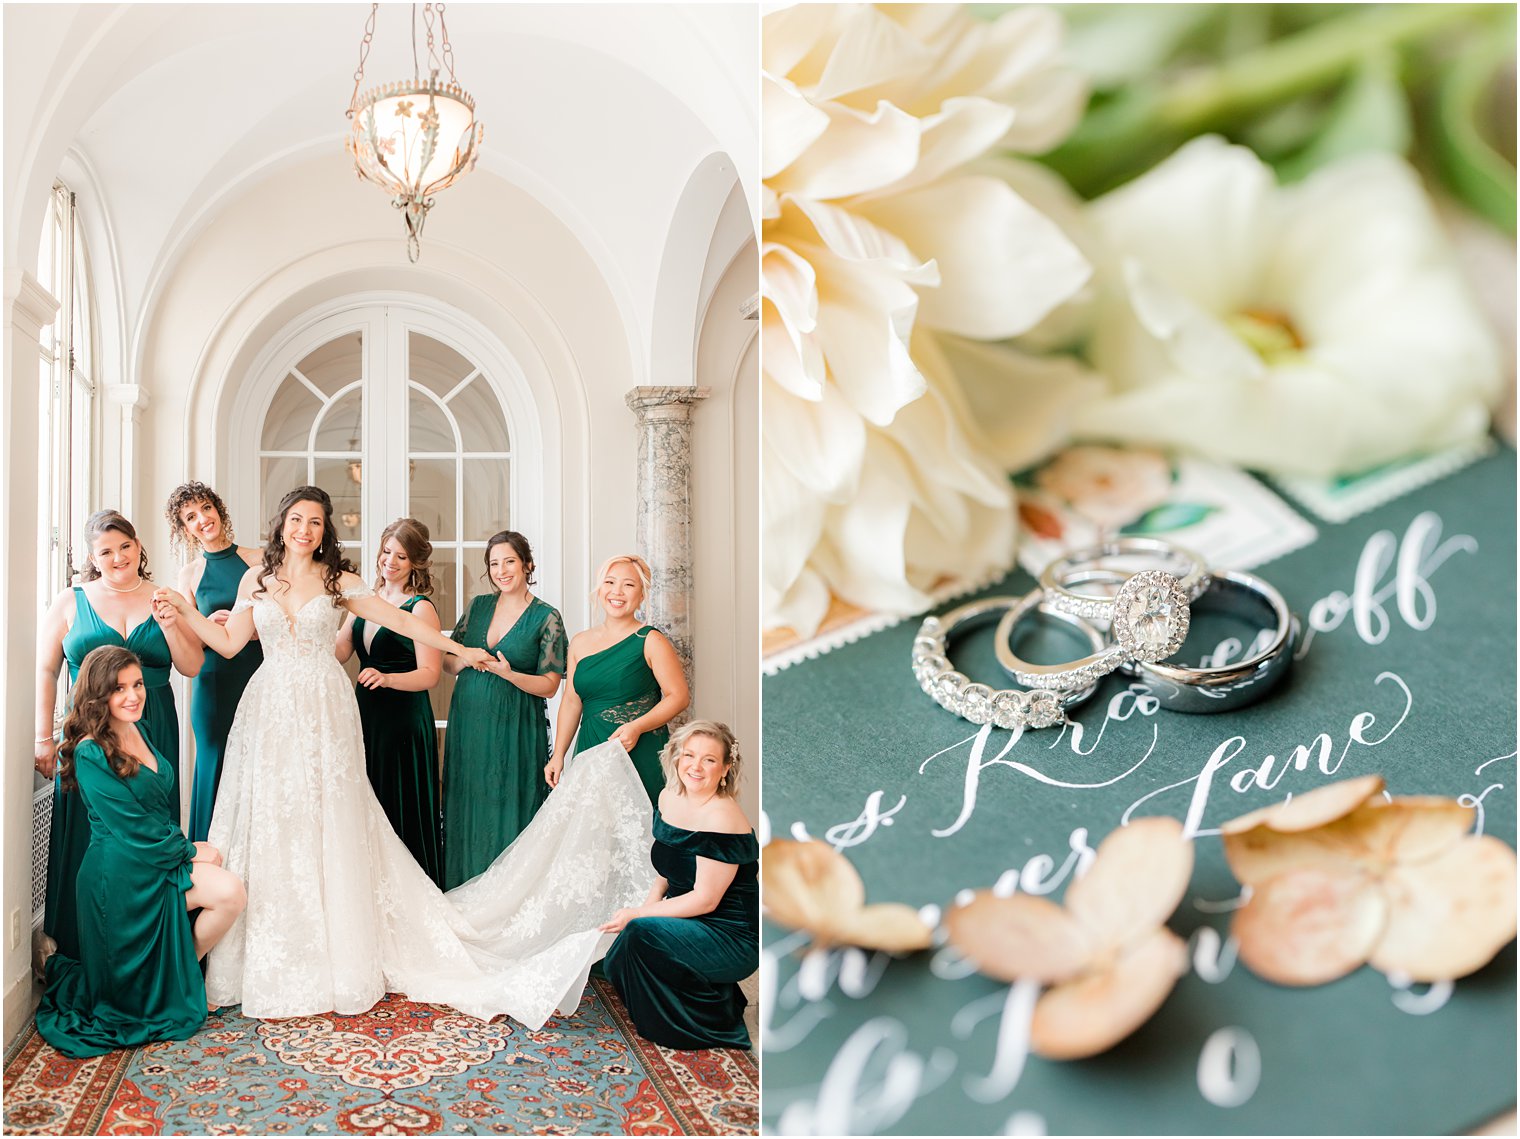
x=414 y=538
x=102 y=522
x=90 y=714
x=329 y=551
x=182 y=543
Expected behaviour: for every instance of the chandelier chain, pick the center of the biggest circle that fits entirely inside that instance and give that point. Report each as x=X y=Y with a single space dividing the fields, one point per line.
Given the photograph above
x=448 y=48
x=416 y=70
x=369 y=35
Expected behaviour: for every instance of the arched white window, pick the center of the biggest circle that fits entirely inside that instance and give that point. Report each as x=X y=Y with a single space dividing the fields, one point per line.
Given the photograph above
x=394 y=411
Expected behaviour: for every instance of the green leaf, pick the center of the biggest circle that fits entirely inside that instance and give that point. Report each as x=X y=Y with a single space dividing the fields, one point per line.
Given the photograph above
x=1471 y=168
x=1371 y=113
x=1169 y=516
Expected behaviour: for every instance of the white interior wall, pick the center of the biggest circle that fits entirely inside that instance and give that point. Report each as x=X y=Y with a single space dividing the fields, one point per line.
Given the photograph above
x=725 y=503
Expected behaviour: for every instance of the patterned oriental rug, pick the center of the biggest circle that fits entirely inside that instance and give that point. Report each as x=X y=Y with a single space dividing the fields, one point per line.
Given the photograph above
x=399 y=1069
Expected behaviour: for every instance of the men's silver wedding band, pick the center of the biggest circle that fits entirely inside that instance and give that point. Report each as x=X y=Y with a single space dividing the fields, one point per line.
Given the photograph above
x=1220 y=688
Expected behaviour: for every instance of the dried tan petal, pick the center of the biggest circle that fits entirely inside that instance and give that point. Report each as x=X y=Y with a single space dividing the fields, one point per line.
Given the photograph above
x=1094 y=1012
x=1140 y=875
x=1448 y=916
x=1022 y=937
x=809 y=885
x=1311 y=809
x=1310 y=925
x=1412 y=828
x=891 y=926
x=1261 y=853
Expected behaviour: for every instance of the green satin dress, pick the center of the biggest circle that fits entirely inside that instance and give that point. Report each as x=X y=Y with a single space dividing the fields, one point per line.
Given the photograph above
x=616 y=686
x=216 y=691
x=401 y=745
x=680 y=977
x=498 y=739
x=69 y=836
x=134 y=978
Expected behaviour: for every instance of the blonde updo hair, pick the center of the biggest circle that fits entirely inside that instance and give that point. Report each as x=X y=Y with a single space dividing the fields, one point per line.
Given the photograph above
x=729 y=784
x=640 y=569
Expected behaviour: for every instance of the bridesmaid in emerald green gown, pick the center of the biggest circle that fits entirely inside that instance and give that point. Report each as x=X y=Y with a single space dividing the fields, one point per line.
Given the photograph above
x=396 y=674
x=198 y=520
x=680 y=956
x=112 y=607
x=625 y=683
x=134 y=978
x=498 y=737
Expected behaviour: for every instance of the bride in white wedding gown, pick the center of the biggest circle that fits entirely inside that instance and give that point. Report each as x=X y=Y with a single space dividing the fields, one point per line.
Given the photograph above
x=338 y=912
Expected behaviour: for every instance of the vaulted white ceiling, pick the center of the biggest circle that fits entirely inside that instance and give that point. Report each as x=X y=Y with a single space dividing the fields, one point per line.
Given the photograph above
x=601 y=112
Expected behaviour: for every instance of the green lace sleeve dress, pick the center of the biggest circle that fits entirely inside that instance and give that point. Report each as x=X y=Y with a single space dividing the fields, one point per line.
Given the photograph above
x=69 y=836
x=401 y=745
x=498 y=739
x=616 y=686
x=133 y=978
x=214 y=694
x=679 y=977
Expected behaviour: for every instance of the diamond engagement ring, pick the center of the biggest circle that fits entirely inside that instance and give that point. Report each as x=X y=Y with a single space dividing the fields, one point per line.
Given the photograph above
x=1143 y=614
x=1233 y=685
x=980 y=703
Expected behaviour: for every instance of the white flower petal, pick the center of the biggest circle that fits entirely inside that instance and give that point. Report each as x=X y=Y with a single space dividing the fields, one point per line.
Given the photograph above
x=858 y=153
x=962 y=129
x=1200 y=222
x=1197 y=343
x=1047 y=108
x=792 y=358
x=1022 y=405
x=792 y=520
x=821 y=444
x=1003 y=264
x=789 y=283
x=795 y=42
x=865 y=319
x=854 y=238
x=872 y=50
x=789 y=124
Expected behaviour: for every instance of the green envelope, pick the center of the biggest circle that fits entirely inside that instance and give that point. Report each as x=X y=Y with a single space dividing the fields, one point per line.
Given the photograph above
x=857 y=1043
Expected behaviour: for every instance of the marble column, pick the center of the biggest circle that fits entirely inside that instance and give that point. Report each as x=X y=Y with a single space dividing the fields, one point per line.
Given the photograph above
x=664 y=507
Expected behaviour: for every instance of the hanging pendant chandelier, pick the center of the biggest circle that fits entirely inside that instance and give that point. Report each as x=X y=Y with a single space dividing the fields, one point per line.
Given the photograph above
x=414 y=137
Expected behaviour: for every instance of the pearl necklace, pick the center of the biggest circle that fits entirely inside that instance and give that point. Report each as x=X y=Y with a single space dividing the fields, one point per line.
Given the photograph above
x=113 y=589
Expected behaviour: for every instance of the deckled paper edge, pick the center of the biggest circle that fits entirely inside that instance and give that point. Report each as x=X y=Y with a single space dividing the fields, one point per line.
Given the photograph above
x=852 y=631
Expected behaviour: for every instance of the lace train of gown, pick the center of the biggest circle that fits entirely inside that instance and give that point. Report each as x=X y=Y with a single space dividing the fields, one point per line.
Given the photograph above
x=339 y=913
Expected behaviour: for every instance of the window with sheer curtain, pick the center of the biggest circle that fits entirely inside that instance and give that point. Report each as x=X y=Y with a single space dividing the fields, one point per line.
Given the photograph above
x=66 y=449
x=67 y=397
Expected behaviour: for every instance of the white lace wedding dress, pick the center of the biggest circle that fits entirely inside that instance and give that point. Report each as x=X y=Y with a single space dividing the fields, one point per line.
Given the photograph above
x=339 y=913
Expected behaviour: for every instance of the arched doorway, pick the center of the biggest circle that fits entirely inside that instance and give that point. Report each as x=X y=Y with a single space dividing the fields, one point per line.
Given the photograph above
x=395 y=407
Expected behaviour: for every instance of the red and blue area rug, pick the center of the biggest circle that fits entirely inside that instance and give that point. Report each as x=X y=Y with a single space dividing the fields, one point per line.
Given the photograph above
x=398 y=1069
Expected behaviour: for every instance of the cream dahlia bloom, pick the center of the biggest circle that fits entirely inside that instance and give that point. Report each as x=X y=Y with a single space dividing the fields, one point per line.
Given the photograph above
x=1316 y=328
x=876 y=240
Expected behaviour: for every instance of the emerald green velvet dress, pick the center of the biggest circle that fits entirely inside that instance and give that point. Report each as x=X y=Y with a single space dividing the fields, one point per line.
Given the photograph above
x=498 y=739
x=401 y=744
x=216 y=691
x=69 y=836
x=134 y=978
x=616 y=686
x=680 y=977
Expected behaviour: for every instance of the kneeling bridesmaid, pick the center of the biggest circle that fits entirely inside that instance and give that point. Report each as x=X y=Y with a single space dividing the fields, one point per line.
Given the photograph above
x=136 y=979
x=680 y=956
